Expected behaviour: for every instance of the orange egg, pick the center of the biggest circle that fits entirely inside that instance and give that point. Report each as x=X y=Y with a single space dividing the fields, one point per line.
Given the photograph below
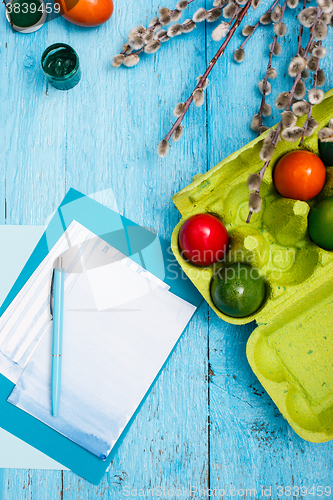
x=299 y=175
x=86 y=12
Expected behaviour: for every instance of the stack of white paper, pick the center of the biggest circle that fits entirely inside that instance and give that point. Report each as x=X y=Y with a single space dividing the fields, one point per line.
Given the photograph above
x=120 y=325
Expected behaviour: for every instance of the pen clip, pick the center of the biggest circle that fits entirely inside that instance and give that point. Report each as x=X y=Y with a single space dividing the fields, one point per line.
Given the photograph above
x=58 y=266
x=51 y=295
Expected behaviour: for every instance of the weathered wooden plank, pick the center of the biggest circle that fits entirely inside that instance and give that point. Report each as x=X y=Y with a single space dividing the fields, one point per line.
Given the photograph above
x=131 y=112
x=167 y=445
x=30 y=484
x=251 y=445
x=35 y=134
x=103 y=135
x=3 y=102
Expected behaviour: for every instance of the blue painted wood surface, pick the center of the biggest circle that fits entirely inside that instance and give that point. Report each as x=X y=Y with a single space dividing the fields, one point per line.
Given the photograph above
x=207 y=423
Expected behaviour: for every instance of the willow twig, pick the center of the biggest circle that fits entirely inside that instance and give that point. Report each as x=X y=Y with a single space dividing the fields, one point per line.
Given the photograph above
x=306 y=53
x=271 y=52
x=256 y=26
x=209 y=69
x=305 y=126
x=157 y=24
x=291 y=95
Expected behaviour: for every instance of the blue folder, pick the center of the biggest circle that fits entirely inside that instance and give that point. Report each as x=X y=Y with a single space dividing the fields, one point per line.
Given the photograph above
x=148 y=250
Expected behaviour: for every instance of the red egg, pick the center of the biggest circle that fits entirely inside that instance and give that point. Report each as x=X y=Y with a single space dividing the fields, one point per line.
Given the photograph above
x=203 y=240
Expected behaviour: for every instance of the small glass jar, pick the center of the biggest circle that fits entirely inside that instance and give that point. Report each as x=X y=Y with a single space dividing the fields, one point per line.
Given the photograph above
x=26 y=16
x=61 y=66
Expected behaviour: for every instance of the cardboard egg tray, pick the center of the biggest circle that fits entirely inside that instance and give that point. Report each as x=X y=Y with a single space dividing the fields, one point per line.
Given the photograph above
x=291 y=351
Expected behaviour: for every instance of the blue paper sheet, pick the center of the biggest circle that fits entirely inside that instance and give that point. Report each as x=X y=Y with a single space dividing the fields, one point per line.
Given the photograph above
x=16 y=245
x=130 y=239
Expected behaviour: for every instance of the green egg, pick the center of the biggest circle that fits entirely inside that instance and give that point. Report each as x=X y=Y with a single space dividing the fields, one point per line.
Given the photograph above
x=321 y=224
x=238 y=290
x=326 y=152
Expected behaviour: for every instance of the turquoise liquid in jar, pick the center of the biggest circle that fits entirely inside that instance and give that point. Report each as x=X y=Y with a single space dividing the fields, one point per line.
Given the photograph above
x=25 y=13
x=60 y=64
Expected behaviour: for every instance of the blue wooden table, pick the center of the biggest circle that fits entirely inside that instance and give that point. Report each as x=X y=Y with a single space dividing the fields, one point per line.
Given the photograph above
x=208 y=423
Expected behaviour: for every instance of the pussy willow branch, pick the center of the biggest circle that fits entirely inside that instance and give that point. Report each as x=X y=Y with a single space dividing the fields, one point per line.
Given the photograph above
x=256 y=26
x=306 y=52
x=263 y=99
x=305 y=126
x=292 y=91
x=210 y=67
x=234 y=14
x=160 y=39
x=152 y=28
x=300 y=33
x=212 y=9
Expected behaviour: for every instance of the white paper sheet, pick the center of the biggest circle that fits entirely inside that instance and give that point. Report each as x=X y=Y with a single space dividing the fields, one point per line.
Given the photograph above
x=116 y=284
x=27 y=319
x=110 y=359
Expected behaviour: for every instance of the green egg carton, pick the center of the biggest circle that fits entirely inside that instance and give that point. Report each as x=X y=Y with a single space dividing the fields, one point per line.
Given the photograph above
x=291 y=351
